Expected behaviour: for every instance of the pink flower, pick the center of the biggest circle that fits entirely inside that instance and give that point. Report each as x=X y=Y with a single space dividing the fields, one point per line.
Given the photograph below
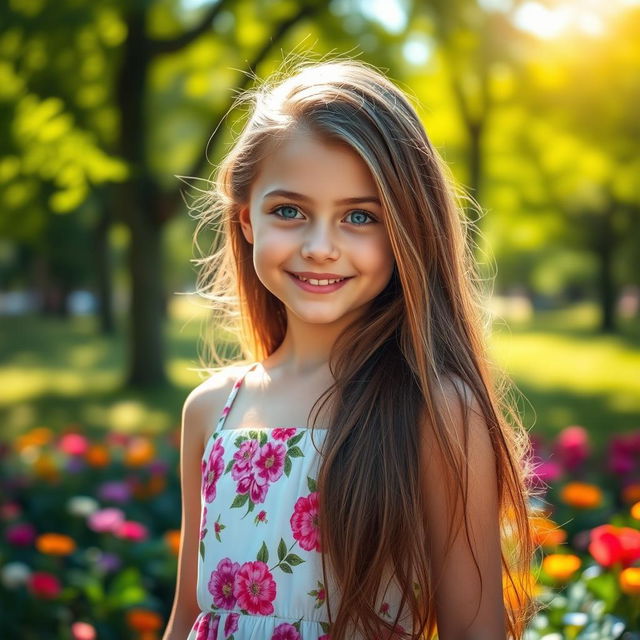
x=130 y=530
x=231 y=624
x=572 y=446
x=304 y=522
x=44 y=585
x=207 y=628
x=547 y=471
x=212 y=470
x=283 y=434
x=255 y=588
x=285 y=631
x=105 y=520
x=261 y=517
x=255 y=487
x=83 y=631
x=269 y=462
x=243 y=458
x=203 y=524
x=73 y=444
x=21 y=534
x=221 y=583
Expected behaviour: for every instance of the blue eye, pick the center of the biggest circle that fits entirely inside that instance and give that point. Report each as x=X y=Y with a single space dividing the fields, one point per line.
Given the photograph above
x=360 y=221
x=362 y=214
x=285 y=206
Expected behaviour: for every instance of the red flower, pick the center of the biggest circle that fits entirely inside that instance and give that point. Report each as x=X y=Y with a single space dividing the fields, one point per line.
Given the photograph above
x=285 y=631
x=304 y=522
x=255 y=588
x=282 y=434
x=221 y=583
x=269 y=462
x=44 y=585
x=611 y=545
x=212 y=470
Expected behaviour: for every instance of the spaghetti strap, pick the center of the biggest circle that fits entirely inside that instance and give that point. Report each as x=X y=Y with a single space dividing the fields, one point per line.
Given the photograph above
x=232 y=394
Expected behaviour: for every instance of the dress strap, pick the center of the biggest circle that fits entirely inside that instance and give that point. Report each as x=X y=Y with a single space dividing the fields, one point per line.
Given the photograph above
x=232 y=394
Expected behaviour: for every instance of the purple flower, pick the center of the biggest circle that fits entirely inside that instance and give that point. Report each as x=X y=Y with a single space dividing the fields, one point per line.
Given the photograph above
x=114 y=492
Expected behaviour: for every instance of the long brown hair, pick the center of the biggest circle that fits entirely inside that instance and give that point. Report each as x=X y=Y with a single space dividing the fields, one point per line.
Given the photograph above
x=425 y=328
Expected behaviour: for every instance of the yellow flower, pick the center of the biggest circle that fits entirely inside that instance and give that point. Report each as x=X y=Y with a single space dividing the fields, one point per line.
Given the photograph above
x=581 y=495
x=139 y=452
x=630 y=581
x=561 y=566
x=55 y=544
x=635 y=511
x=45 y=467
x=172 y=538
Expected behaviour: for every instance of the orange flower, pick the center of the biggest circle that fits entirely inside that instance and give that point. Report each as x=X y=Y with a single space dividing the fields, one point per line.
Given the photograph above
x=581 y=495
x=561 y=566
x=635 y=511
x=97 y=455
x=143 y=620
x=37 y=437
x=546 y=533
x=630 y=581
x=631 y=493
x=55 y=544
x=172 y=538
x=139 y=452
x=513 y=594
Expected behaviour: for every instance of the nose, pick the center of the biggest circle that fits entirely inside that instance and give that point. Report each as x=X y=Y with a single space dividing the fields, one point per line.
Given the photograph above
x=319 y=243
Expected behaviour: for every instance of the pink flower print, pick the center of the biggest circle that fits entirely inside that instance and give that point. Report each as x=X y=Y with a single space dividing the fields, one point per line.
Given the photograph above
x=304 y=522
x=213 y=470
x=221 y=583
x=255 y=588
x=269 y=462
x=261 y=517
x=208 y=627
x=285 y=631
x=231 y=624
x=243 y=457
x=283 y=434
x=203 y=524
x=255 y=487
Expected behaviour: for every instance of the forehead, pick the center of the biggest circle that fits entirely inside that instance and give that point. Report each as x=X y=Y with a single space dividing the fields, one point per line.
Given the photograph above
x=318 y=168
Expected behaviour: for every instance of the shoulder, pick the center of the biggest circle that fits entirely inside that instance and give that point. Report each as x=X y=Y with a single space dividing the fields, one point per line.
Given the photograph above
x=205 y=402
x=465 y=425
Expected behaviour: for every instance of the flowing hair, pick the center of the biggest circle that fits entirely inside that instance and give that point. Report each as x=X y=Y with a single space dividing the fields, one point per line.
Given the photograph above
x=425 y=328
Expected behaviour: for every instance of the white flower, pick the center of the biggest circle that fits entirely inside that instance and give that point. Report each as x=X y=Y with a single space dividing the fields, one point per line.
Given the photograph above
x=82 y=506
x=14 y=574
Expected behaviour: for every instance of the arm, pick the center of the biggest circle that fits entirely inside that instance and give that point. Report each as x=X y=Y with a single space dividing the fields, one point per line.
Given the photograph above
x=196 y=414
x=456 y=581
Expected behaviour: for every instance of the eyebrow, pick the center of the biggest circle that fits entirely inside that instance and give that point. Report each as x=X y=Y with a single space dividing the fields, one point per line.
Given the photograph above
x=300 y=196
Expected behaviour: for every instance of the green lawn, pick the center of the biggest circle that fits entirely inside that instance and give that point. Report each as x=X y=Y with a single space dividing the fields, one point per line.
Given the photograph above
x=56 y=372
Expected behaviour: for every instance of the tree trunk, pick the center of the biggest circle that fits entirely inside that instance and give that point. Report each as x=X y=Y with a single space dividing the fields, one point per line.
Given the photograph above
x=605 y=245
x=103 y=268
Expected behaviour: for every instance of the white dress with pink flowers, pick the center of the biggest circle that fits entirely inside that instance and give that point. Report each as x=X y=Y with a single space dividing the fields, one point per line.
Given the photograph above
x=259 y=565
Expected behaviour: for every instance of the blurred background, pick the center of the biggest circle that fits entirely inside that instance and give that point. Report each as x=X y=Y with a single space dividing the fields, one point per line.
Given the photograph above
x=533 y=104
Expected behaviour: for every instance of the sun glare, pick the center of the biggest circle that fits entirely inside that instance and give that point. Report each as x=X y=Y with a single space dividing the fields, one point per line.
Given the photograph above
x=585 y=16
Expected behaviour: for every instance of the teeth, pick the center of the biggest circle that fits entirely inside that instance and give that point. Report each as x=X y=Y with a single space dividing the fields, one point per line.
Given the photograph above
x=319 y=282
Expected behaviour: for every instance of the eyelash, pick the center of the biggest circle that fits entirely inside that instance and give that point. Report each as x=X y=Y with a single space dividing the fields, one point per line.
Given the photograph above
x=282 y=206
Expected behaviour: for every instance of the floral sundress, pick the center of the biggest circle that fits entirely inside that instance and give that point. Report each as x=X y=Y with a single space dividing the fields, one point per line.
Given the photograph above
x=259 y=560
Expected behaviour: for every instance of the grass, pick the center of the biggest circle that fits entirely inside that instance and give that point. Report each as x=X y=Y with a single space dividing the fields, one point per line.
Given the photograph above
x=57 y=372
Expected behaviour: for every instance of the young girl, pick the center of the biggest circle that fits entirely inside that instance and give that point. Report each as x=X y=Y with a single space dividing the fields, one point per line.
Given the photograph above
x=341 y=262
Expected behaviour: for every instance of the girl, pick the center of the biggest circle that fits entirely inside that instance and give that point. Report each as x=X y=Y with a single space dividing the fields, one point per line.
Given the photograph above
x=340 y=261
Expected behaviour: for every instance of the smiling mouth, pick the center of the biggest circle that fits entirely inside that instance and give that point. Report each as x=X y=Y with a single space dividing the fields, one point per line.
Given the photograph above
x=320 y=282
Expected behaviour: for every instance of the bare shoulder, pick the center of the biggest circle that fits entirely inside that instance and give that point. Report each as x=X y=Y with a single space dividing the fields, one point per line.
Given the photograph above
x=205 y=402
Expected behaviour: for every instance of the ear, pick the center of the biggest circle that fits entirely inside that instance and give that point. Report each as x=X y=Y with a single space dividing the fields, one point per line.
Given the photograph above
x=245 y=223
